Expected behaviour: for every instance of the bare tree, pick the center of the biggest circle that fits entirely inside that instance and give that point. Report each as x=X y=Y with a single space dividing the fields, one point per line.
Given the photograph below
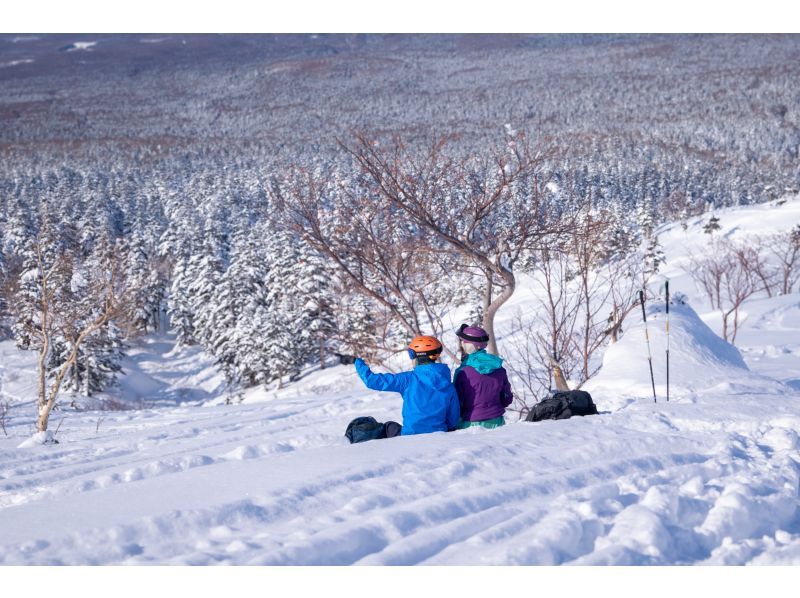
x=487 y=210
x=375 y=252
x=557 y=317
x=595 y=284
x=57 y=313
x=578 y=282
x=765 y=274
x=785 y=249
x=625 y=276
x=728 y=281
x=531 y=371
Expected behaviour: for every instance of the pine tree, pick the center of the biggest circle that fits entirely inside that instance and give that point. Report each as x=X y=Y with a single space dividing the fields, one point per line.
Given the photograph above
x=175 y=246
x=26 y=301
x=620 y=237
x=712 y=225
x=204 y=272
x=178 y=303
x=100 y=354
x=236 y=342
x=138 y=274
x=144 y=274
x=285 y=322
x=653 y=256
x=356 y=324
x=39 y=255
x=100 y=359
x=645 y=217
x=4 y=290
x=315 y=285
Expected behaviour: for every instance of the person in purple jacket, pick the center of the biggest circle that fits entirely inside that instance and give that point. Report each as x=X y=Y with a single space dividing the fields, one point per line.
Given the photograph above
x=481 y=382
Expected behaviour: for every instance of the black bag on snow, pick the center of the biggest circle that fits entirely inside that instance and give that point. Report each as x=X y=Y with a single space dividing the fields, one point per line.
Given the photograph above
x=362 y=429
x=562 y=405
x=579 y=402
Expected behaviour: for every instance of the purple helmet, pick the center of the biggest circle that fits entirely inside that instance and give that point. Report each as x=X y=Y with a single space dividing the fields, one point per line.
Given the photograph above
x=473 y=334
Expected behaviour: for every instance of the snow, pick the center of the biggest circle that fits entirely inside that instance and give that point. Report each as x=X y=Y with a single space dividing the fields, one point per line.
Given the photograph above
x=39 y=438
x=83 y=45
x=694 y=349
x=173 y=475
x=15 y=62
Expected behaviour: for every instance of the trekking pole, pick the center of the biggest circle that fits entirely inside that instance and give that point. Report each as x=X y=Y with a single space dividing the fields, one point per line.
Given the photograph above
x=666 y=284
x=647 y=337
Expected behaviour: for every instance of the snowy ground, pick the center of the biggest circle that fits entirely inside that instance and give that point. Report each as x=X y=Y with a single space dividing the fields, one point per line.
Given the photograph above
x=709 y=478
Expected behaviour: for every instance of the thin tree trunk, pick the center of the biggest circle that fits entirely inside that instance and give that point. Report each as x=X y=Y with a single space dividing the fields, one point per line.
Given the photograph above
x=487 y=297
x=587 y=324
x=76 y=385
x=87 y=389
x=47 y=407
x=43 y=411
x=44 y=353
x=558 y=375
x=615 y=323
x=491 y=310
x=725 y=324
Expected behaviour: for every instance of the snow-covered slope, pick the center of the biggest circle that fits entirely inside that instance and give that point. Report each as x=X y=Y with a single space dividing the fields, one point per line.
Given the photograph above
x=702 y=365
x=711 y=477
x=273 y=481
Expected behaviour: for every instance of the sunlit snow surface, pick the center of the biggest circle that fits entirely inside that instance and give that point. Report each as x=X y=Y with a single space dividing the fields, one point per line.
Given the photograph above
x=709 y=478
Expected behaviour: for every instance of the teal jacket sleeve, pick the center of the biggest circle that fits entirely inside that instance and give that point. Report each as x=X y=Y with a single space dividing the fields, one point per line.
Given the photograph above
x=391 y=382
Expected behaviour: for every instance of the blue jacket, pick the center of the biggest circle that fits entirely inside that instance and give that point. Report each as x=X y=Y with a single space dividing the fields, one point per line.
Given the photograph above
x=430 y=402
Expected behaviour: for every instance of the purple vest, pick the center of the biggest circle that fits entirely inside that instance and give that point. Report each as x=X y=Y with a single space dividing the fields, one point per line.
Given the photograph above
x=482 y=396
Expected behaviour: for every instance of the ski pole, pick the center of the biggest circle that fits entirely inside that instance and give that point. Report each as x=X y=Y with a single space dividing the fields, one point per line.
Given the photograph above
x=647 y=337
x=667 y=289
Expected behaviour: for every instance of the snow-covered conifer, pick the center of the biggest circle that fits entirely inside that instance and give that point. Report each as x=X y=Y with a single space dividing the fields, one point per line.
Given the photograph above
x=653 y=256
x=179 y=307
x=145 y=275
x=712 y=225
x=286 y=323
x=203 y=274
x=315 y=286
x=238 y=311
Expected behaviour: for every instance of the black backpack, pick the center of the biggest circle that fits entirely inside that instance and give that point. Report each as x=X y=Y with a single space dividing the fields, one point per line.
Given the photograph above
x=562 y=405
x=362 y=429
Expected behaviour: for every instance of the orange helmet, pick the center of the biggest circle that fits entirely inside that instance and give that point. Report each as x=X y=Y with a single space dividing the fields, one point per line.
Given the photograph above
x=425 y=345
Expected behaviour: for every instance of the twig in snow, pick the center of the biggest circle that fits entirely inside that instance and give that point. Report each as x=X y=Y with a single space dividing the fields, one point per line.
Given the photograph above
x=58 y=427
x=3 y=411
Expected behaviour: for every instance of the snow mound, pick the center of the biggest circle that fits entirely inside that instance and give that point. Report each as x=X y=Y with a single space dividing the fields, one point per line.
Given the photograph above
x=39 y=439
x=700 y=362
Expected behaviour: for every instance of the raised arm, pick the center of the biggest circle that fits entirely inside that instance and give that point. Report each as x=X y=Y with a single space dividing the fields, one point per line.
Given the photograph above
x=390 y=382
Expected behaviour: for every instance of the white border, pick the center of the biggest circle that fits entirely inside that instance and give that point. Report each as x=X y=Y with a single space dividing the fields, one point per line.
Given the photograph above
x=398 y=582
x=393 y=16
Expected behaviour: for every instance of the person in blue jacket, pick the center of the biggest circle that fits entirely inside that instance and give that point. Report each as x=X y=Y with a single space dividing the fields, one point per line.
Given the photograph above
x=430 y=402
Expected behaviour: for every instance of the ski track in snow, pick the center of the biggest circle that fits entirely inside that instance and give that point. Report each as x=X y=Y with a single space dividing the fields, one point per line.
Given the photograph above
x=645 y=486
